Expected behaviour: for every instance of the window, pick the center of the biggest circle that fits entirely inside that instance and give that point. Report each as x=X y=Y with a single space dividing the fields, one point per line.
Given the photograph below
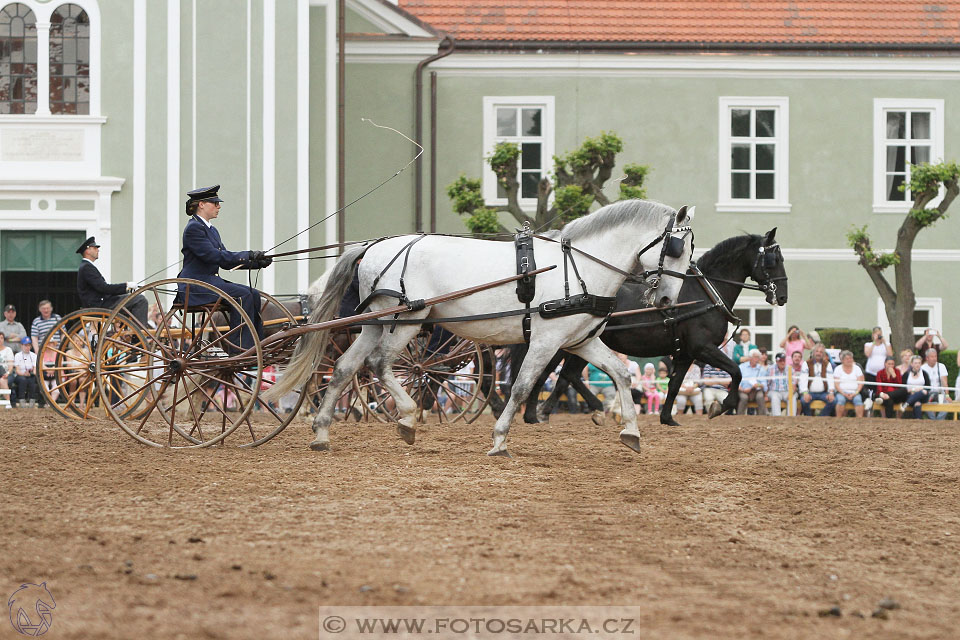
x=927 y=313
x=906 y=132
x=528 y=123
x=18 y=59
x=753 y=155
x=70 y=60
x=767 y=324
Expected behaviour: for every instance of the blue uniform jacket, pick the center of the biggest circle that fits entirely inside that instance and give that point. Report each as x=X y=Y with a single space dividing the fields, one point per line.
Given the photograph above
x=204 y=254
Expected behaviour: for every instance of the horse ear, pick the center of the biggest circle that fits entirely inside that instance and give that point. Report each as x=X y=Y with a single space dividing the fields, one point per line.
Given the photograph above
x=770 y=236
x=685 y=214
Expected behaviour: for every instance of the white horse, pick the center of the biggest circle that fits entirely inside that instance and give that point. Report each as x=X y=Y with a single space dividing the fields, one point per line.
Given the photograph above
x=436 y=265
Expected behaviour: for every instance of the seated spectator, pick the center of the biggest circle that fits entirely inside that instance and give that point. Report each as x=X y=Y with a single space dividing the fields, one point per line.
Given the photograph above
x=886 y=395
x=796 y=341
x=931 y=339
x=937 y=372
x=600 y=383
x=777 y=390
x=43 y=323
x=649 y=382
x=716 y=385
x=848 y=380
x=799 y=367
x=764 y=358
x=12 y=330
x=817 y=383
x=904 y=365
x=741 y=352
x=25 y=363
x=752 y=387
x=917 y=381
x=876 y=351
x=690 y=391
x=6 y=364
x=663 y=381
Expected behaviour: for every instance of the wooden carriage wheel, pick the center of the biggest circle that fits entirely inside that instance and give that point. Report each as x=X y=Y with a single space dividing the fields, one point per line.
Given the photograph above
x=67 y=362
x=446 y=376
x=200 y=391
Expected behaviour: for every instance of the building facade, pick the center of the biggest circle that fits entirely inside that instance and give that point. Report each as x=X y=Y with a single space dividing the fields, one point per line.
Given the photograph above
x=807 y=123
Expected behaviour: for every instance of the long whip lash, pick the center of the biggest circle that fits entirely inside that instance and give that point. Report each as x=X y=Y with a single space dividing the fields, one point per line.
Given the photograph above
x=351 y=203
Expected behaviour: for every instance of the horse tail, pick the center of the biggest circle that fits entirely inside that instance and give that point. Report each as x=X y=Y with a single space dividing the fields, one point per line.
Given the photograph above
x=311 y=346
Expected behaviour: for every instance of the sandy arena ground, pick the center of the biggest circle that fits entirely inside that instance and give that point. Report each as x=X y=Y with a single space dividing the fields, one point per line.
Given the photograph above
x=731 y=528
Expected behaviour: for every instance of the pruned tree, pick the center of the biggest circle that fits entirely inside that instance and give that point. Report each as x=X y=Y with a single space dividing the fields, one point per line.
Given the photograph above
x=576 y=184
x=926 y=181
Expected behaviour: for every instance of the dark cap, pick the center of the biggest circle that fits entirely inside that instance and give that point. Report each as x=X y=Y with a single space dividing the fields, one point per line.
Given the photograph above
x=205 y=194
x=89 y=242
x=781 y=356
x=9 y=307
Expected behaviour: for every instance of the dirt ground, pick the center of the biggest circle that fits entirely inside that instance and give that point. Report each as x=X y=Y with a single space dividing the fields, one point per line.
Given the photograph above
x=731 y=528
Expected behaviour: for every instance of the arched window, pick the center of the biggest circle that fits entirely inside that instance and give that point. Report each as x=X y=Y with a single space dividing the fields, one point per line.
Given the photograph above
x=69 y=60
x=18 y=59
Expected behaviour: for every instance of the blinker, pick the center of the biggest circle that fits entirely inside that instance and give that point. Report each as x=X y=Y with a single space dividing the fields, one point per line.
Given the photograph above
x=674 y=247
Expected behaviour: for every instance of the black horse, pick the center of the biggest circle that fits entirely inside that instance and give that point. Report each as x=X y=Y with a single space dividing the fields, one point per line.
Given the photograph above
x=689 y=333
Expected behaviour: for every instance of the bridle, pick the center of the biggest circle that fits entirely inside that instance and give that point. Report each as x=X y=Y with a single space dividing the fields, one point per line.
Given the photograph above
x=671 y=246
x=768 y=257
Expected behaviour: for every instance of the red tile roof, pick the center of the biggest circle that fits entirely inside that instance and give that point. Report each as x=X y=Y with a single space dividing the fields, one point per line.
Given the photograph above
x=831 y=22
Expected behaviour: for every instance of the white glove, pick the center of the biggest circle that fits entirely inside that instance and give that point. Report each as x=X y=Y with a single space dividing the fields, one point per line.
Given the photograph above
x=132 y=286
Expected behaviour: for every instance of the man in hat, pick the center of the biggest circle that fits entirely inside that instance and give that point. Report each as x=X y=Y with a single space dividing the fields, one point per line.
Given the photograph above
x=204 y=253
x=94 y=291
x=12 y=330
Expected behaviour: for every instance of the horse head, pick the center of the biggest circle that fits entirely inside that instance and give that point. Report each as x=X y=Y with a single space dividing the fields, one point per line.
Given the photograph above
x=676 y=250
x=768 y=270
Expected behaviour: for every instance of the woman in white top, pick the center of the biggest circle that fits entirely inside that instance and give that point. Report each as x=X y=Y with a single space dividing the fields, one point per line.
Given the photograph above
x=876 y=352
x=848 y=378
x=916 y=380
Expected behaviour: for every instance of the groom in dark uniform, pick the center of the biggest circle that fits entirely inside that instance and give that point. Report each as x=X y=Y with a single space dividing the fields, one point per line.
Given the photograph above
x=204 y=253
x=94 y=290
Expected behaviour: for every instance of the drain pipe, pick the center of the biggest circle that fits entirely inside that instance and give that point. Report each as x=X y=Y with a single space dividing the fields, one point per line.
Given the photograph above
x=418 y=128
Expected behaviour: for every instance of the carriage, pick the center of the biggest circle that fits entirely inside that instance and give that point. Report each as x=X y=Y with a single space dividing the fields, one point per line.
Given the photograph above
x=188 y=383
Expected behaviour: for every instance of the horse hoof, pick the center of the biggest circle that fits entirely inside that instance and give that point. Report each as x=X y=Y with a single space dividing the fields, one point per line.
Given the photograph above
x=715 y=410
x=542 y=417
x=670 y=422
x=598 y=418
x=500 y=452
x=407 y=434
x=316 y=445
x=630 y=440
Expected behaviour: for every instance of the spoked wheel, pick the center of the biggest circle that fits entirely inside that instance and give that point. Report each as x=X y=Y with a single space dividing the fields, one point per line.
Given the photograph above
x=443 y=373
x=201 y=384
x=68 y=363
x=350 y=405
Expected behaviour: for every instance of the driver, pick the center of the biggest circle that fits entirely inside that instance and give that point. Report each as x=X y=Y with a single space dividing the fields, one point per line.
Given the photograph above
x=204 y=253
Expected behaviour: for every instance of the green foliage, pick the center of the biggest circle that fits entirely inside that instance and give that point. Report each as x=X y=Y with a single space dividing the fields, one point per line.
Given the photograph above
x=504 y=161
x=594 y=152
x=949 y=359
x=465 y=193
x=632 y=185
x=926 y=178
x=483 y=220
x=571 y=202
x=860 y=242
x=925 y=217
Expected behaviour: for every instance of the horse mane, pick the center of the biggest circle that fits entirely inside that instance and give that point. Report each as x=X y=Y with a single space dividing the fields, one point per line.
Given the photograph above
x=616 y=215
x=728 y=252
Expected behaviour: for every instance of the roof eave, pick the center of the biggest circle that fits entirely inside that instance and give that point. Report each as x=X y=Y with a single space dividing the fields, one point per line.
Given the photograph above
x=708 y=46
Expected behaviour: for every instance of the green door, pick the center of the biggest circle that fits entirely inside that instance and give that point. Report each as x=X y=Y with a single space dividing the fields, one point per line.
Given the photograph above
x=37 y=265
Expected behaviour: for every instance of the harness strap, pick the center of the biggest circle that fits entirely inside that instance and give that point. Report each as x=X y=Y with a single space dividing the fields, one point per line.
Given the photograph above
x=565 y=247
x=589 y=256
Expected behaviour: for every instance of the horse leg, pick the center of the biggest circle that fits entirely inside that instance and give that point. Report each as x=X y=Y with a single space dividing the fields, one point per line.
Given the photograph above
x=680 y=366
x=531 y=414
x=346 y=367
x=571 y=372
x=381 y=363
x=604 y=359
x=537 y=357
x=716 y=358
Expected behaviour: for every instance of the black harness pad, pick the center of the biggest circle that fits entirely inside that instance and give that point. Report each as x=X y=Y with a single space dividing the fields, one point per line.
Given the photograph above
x=526 y=287
x=582 y=303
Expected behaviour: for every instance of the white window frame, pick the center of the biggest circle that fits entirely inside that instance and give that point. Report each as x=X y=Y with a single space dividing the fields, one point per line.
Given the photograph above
x=547 y=123
x=880 y=108
x=933 y=305
x=781 y=203
x=43 y=11
x=779 y=320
